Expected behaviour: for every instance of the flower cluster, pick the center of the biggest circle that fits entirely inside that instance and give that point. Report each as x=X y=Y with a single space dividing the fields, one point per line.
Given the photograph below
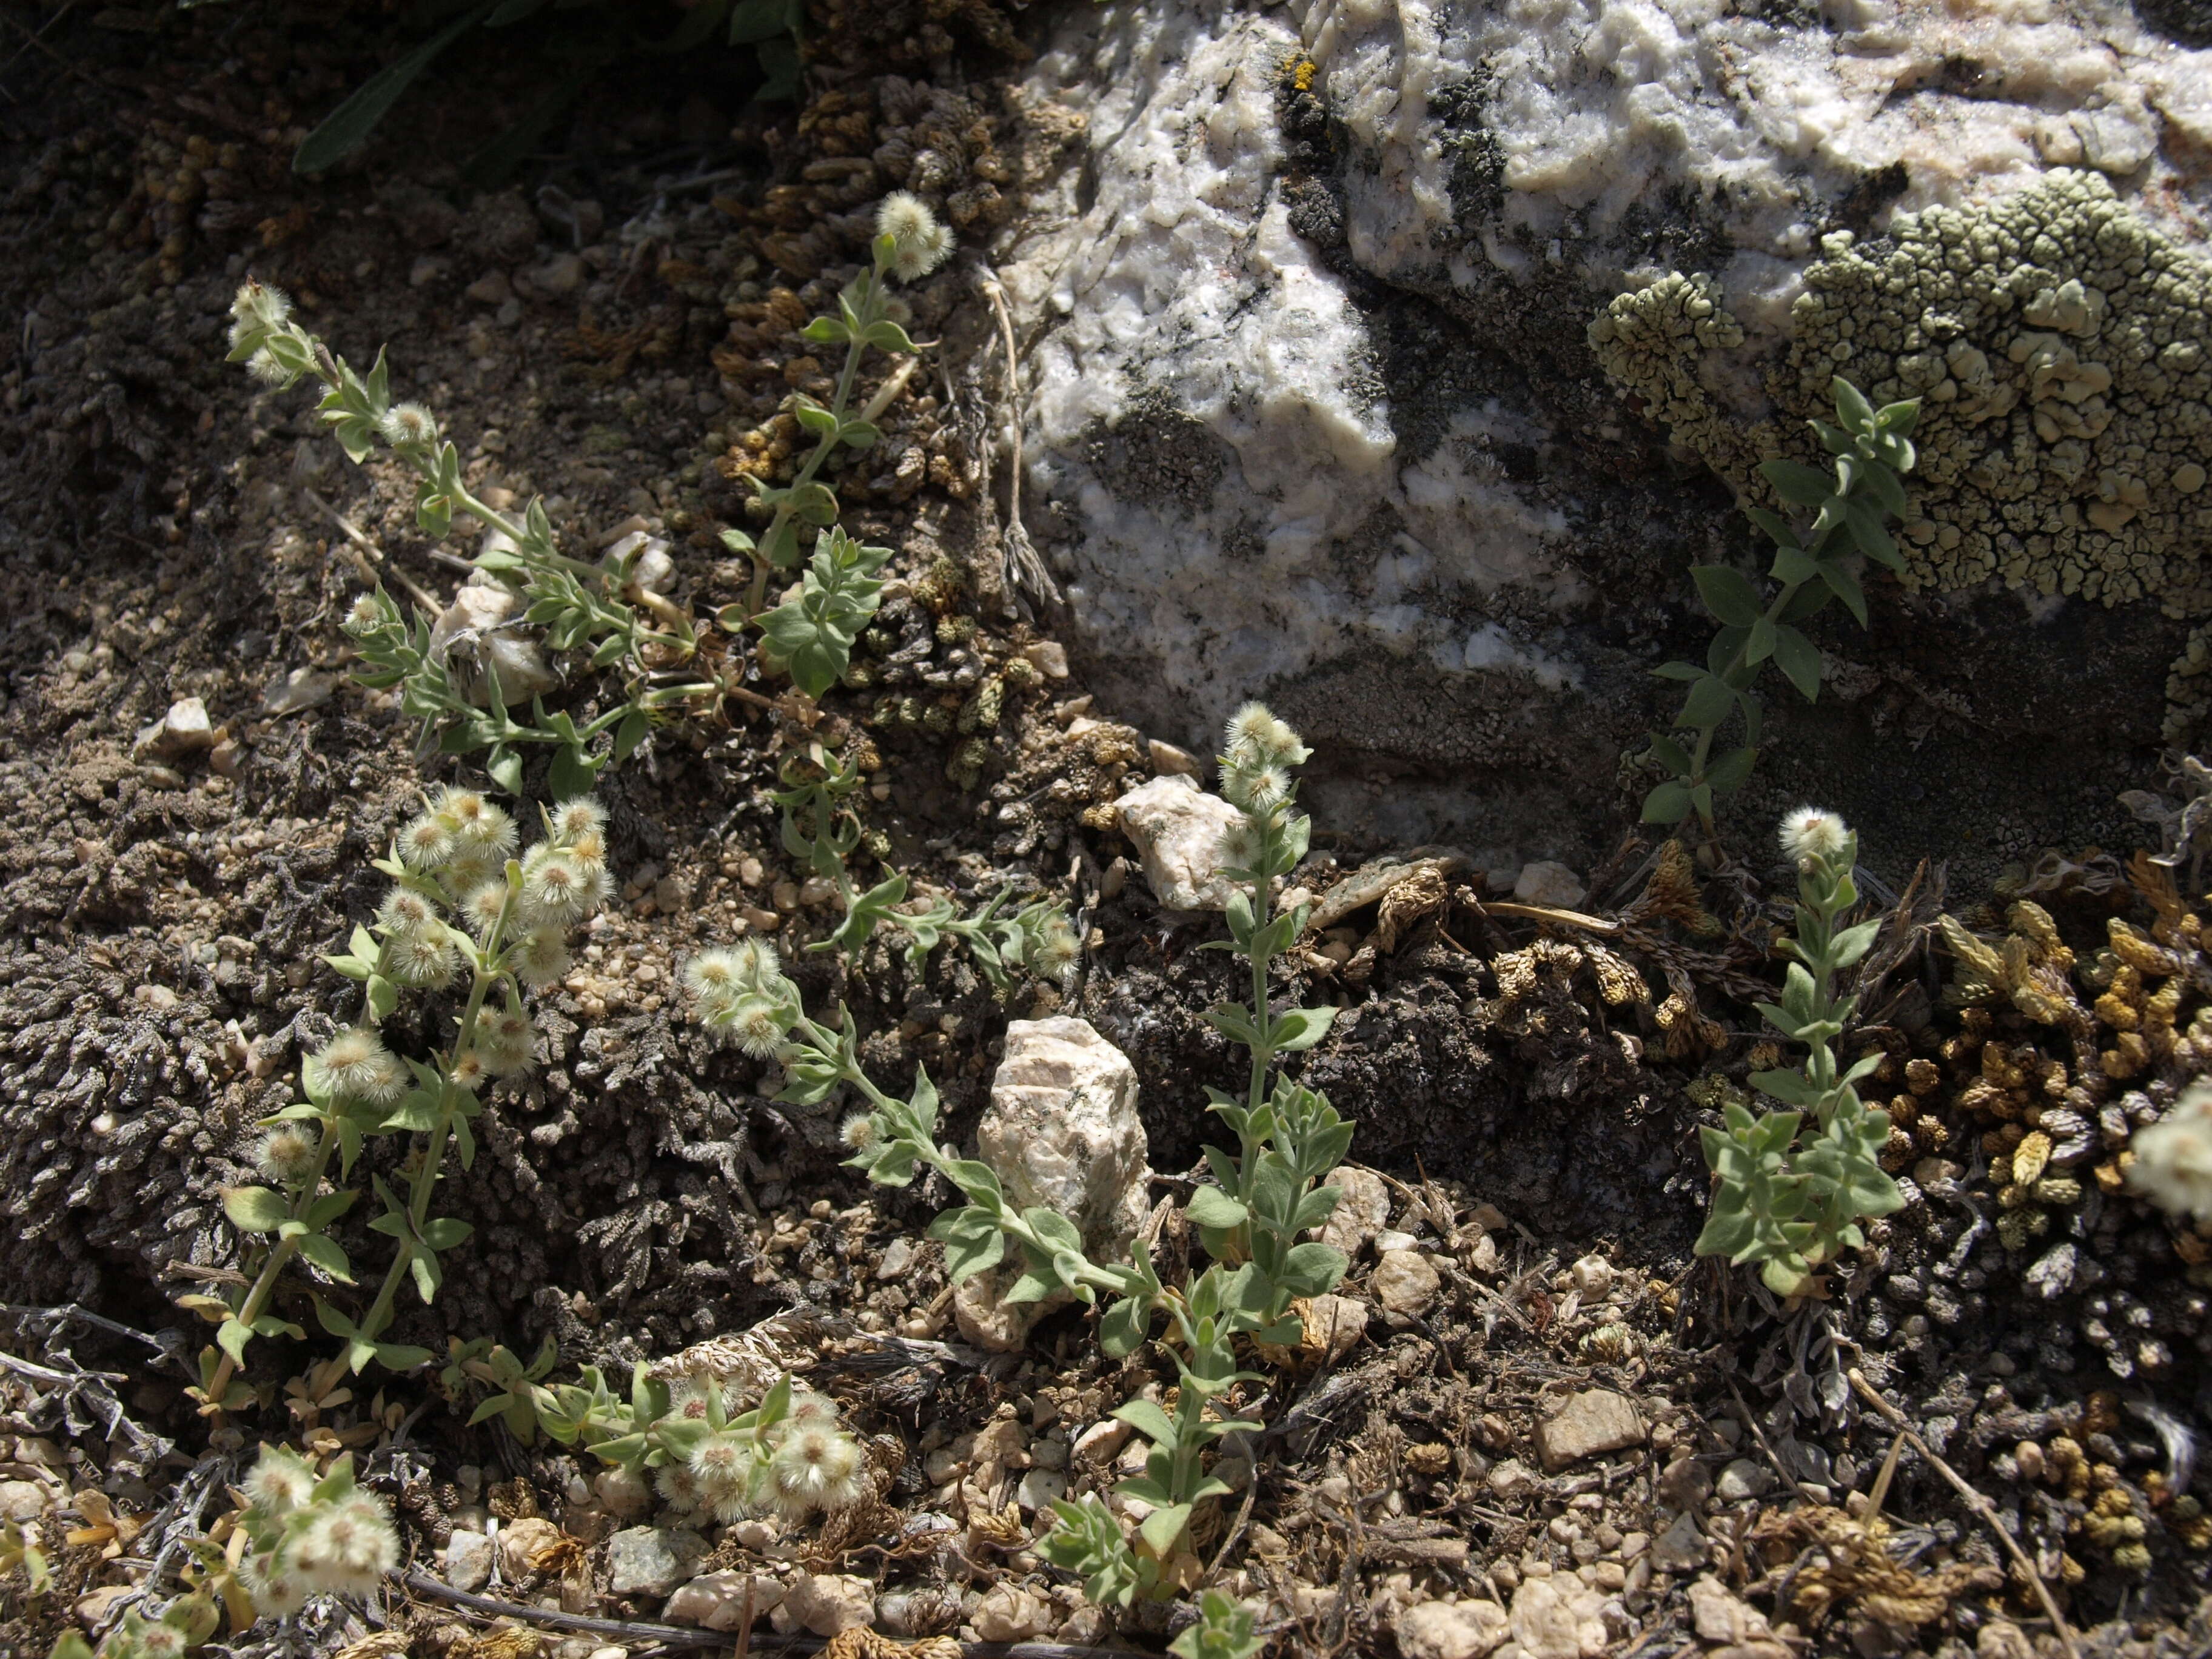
x=1259 y=752
x=919 y=241
x=2173 y=1163
x=312 y=1535
x=740 y=992
x=788 y=1457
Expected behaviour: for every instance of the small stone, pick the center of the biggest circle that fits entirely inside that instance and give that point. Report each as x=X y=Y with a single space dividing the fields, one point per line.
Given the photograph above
x=1391 y=1239
x=2052 y=1272
x=1609 y=1576
x=1593 y=1276
x=1405 y=1282
x=716 y=1600
x=1721 y=1617
x=1169 y=760
x=468 y=1560
x=1048 y=657
x=1363 y=1209
x=1451 y=1630
x=1743 y=1477
x=1685 y=1484
x=491 y=289
x=520 y=1543
x=1680 y=1547
x=185 y=730
x=1178 y=829
x=2003 y=1639
x=1038 y=1488
x=561 y=275
x=653 y=1560
x=1556 y=1618
x=21 y=1500
x=1101 y=1441
x=898 y=1259
x=1594 y=1421
x=827 y=1602
x=623 y=1493
x=1545 y=882
x=298 y=691
x=469 y=638
x=93 y=1607
x=1062 y=1133
x=2027 y=1458
x=1010 y=1612
x=1511 y=1477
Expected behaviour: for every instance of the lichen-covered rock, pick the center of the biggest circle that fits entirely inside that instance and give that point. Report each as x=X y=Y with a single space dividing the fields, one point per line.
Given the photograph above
x=1312 y=416
x=1061 y=1132
x=2061 y=349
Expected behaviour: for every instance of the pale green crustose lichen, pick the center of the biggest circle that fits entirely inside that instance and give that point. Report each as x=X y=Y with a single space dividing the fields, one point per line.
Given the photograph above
x=2061 y=349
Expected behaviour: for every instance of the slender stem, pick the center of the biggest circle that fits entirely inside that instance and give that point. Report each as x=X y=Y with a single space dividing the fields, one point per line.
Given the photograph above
x=855 y=349
x=264 y=1287
x=424 y=1180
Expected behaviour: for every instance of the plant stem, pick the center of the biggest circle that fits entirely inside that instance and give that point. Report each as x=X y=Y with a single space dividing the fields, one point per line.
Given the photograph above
x=264 y=1286
x=424 y=1180
x=756 y=600
x=1735 y=663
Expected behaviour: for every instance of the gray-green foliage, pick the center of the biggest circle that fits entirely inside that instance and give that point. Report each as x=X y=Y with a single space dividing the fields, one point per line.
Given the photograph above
x=820 y=828
x=1265 y=1194
x=1872 y=449
x=1225 y=1630
x=1787 y=1202
x=463 y=909
x=578 y=607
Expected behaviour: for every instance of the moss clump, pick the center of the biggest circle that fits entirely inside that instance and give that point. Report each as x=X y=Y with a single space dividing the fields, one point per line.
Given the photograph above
x=2062 y=350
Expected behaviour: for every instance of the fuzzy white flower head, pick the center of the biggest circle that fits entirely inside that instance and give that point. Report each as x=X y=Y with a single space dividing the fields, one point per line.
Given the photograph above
x=409 y=424
x=815 y=1467
x=355 y=1065
x=273 y=1584
x=279 y=1483
x=677 y=1484
x=348 y=1546
x=756 y=1024
x=366 y=614
x=559 y=890
x=261 y=306
x=576 y=817
x=159 y=1641
x=482 y=829
x=428 y=839
x=1261 y=790
x=1256 y=736
x=483 y=906
x=427 y=960
x=406 y=913
x=1813 y=832
x=541 y=958
x=2172 y=1164
x=1056 y=949
x=266 y=370
x=287 y=1154
x=919 y=242
x=860 y=1132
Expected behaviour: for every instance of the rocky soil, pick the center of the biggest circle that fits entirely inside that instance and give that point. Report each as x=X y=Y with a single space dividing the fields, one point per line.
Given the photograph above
x=1536 y=1425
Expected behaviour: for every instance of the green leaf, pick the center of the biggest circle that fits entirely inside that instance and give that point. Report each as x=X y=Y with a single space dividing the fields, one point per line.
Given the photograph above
x=325 y=1254
x=1668 y=803
x=1678 y=671
x=400 y=1356
x=1799 y=660
x=1209 y=1207
x=1845 y=586
x=1727 y=774
x=824 y=331
x=1726 y=594
x=1670 y=754
x=1796 y=484
x=1708 y=703
x=1868 y=531
x=1163 y=1528
x=254 y=1209
x=1121 y=1330
x=1312 y=1269
x=1150 y=1420
x=1760 y=645
x=1853 y=412
x=887 y=336
x=346 y=128
x=1300 y=1029
x=232 y=1336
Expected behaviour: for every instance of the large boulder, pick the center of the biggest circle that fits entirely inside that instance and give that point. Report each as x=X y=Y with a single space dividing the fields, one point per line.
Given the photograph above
x=1317 y=413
